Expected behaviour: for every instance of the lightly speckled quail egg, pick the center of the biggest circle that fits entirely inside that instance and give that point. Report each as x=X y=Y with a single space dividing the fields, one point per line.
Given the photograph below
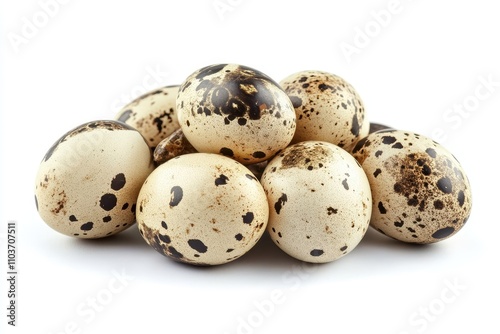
x=420 y=192
x=88 y=182
x=152 y=114
x=202 y=209
x=319 y=201
x=235 y=111
x=328 y=108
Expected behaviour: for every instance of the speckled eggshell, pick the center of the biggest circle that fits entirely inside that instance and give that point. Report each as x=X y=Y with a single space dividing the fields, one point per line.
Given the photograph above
x=152 y=114
x=420 y=192
x=328 y=108
x=235 y=111
x=88 y=182
x=202 y=209
x=319 y=201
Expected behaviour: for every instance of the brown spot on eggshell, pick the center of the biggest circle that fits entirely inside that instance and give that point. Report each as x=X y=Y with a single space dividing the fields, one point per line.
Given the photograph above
x=305 y=156
x=151 y=237
x=61 y=200
x=317 y=252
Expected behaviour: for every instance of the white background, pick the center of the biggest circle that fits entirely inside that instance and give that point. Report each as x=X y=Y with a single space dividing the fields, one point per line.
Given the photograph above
x=414 y=70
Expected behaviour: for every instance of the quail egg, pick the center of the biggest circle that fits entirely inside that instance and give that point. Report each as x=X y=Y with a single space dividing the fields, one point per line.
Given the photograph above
x=328 y=108
x=202 y=209
x=152 y=114
x=319 y=201
x=235 y=111
x=88 y=182
x=420 y=191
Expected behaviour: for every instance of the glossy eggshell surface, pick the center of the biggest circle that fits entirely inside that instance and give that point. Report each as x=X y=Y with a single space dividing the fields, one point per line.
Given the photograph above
x=88 y=182
x=374 y=127
x=420 y=192
x=202 y=209
x=319 y=200
x=328 y=108
x=235 y=111
x=152 y=114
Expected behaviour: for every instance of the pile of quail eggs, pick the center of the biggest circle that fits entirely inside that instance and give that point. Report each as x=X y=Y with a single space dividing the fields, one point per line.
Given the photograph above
x=207 y=167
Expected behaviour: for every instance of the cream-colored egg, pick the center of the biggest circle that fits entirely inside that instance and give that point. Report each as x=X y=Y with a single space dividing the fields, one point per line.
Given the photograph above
x=202 y=209
x=152 y=114
x=319 y=199
x=421 y=193
x=235 y=111
x=88 y=182
x=328 y=108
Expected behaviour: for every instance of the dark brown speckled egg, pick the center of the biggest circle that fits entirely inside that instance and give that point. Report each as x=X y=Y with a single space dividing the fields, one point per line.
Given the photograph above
x=420 y=192
x=235 y=111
